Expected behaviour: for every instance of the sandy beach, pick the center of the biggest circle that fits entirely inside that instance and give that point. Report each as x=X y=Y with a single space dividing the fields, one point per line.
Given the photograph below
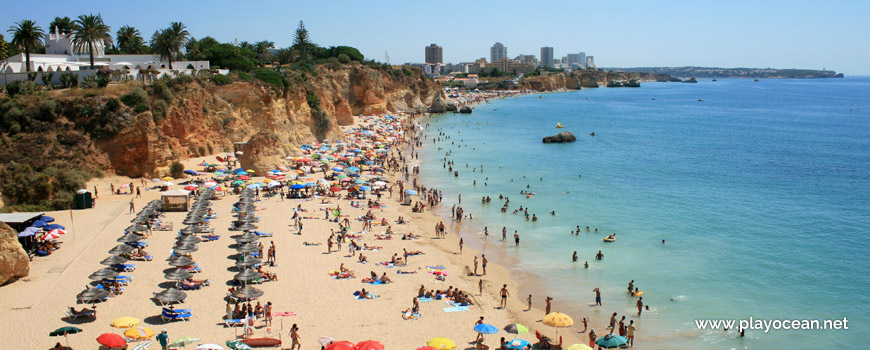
x=34 y=306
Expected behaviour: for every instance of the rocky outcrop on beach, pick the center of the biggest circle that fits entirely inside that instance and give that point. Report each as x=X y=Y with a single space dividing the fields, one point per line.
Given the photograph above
x=465 y=110
x=14 y=262
x=438 y=106
x=562 y=137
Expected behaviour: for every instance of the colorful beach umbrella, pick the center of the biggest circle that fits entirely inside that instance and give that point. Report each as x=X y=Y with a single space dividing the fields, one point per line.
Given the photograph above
x=139 y=333
x=441 y=343
x=237 y=345
x=516 y=328
x=558 y=319
x=142 y=346
x=611 y=341
x=185 y=341
x=485 y=328
x=340 y=345
x=53 y=234
x=125 y=322
x=516 y=344
x=369 y=345
x=111 y=340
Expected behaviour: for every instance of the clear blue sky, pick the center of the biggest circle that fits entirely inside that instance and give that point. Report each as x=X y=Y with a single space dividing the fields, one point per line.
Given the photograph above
x=781 y=34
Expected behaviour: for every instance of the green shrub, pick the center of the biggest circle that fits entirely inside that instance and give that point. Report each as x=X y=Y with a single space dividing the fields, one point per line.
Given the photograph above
x=159 y=108
x=244 y=76
x=47 y=111
x=139 y=108
x=69 y=80
x=273 y=78
x=161 y=91
x=220 y=79
x=21 y=87
x=344 y=58
x=112 y=105
x=176 y=169
x=135 y=97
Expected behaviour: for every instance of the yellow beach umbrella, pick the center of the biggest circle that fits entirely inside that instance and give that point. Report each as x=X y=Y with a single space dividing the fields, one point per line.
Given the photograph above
x=124 y=322
x=579 y=347
x=168 y=178
x=558 y=319
x=250 y=171
x=139 y=333
x=441 y=343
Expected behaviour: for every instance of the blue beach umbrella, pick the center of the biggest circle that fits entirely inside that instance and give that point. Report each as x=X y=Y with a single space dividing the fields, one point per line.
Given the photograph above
x=365 y=188
x=485 y=329
x=297 y=187
x=353 y=169
x=242 y=173
x=517 y=344
x=237 y=170
x=338 y=168
x=255 y=185
x=191 y=172
x=53 y=227
x=611 y=341
x=30 y=231
x=410 y=192
x=39 y=223
x=47 y=218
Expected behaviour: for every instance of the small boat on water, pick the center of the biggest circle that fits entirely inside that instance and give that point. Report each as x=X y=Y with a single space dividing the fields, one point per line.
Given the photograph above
x=559 y=126
x=756 y=80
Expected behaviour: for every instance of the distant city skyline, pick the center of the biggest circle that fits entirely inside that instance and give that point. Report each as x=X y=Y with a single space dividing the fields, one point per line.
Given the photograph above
x=740 y=33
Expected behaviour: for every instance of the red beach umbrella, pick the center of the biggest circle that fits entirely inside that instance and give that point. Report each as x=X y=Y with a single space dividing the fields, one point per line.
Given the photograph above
x=111 y=340
x=341 y=345
x=369 y=345
x=53 y=234
x=190 y=188
x=335 y=189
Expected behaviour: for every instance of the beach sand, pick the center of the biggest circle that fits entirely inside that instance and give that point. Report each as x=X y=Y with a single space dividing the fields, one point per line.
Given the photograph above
x=33 y=306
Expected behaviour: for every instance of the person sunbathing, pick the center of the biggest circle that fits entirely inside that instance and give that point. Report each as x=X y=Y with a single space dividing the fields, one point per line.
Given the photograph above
x=272 y=276
x=396 y=259
x=400 y=220
x=385 y=279
x=84 y=311
x=342 y=268
x=410 y=236
x=364 y=294
x=190 y=282
x=385 y=223
x=362 y=258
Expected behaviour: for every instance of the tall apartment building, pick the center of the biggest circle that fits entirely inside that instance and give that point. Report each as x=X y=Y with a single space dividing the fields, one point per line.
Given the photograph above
x=546 y=56
x=434 y=54
x=497 y=52
x=577 y=60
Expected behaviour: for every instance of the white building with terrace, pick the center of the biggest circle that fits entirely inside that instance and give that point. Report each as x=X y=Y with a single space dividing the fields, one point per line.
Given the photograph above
x=60 y=58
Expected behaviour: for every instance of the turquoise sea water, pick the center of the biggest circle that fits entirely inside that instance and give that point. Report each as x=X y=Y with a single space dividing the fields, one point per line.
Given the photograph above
x=762 y=192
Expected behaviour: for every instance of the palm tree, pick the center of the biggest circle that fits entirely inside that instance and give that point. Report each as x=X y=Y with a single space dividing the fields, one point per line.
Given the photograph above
x=63 y=25
x=26 y=34
x=88 y=31
x=130 y=40
x=168 y=42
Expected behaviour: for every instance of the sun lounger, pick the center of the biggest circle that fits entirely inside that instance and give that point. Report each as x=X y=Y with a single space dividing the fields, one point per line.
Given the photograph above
x=142 y=244
x=194 y=269
x=74 y=315
x=125 y=267
x=183 y=286
x=120 y=279
x=210 y=238
x=167 y=317
x=234 y=322
x=177 y=311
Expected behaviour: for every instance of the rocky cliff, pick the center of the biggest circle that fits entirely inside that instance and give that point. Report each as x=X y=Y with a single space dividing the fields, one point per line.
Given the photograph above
x=584 y=79
x=205 y=119
x=14 y=262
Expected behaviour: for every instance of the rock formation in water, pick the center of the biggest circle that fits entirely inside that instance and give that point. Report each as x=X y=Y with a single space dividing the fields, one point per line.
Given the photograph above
x=14 y=262
x=562 y=137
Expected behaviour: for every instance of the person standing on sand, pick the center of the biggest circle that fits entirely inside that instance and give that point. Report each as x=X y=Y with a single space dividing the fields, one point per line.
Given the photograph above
x=294 y=337
x=592 y=338
x=504 y=295
x=475 y=265
x=479 y=335
x=516 y=238
x=267 y=313
x=483 y=256
x=132 y=207
x=480 y=286
x=138 y=192
x=504 y=233
x=163 y=339
x=460 y=249
x=530 y=302
x=630 y=333
x=597 y=296
x=95 y=193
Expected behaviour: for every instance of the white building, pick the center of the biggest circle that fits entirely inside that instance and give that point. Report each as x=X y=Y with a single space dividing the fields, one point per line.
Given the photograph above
x=59 y=57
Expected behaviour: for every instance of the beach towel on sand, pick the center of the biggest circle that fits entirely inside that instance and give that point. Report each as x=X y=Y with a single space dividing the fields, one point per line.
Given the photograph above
x=456 y=309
